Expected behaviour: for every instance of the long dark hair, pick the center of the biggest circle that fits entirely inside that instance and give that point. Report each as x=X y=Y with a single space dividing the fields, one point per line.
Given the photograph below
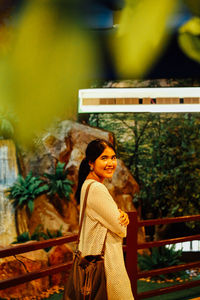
x=94 y=149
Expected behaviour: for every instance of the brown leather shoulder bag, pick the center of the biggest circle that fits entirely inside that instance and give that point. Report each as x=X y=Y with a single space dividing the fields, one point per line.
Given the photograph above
x=87 y=280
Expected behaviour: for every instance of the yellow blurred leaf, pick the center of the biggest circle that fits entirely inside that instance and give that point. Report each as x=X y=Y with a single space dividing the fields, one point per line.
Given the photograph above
x=51 y=59
x=189 y=39
x=192 y=26
x=141 y=35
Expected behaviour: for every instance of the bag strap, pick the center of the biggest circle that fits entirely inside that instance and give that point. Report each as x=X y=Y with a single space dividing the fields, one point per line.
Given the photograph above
x=82 y=213
x=82 y=217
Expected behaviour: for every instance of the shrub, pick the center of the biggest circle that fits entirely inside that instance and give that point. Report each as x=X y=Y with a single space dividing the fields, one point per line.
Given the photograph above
x=38 y=235
x=58 y=182
x=25 y=190
x=162 y=257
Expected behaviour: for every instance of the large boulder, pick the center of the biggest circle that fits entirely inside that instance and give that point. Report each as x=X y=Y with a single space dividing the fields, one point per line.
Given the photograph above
x=45 y=214
x=21 y=264
x=58 y=255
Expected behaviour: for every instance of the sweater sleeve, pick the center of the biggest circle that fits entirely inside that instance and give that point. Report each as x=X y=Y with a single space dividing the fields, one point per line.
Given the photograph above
x=102 y=207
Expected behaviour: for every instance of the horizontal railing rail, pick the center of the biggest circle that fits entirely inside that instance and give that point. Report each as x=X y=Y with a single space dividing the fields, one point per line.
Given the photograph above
x=143 y=274
x=6 y=283
x=32 y=246
x=169 y=289
x=184 y=219
x=133 y=246
x=168 y=241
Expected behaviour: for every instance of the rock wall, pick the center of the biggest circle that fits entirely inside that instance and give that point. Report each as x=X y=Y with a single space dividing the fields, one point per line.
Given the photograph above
x=21 y=264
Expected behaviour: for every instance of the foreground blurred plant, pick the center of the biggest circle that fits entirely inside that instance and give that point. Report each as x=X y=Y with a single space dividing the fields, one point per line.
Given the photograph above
x=189 y=32
x=52 y=55
x=189 y=38
x=142 y=36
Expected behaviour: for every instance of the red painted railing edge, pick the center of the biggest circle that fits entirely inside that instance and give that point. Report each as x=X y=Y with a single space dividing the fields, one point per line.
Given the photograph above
x=9 y=282
x=144 y=274
x=32 y=246
x=168 y=241
x=131 y=251
x=134 y=246
x=131 y=259
x=169 y=289
x=153 y=222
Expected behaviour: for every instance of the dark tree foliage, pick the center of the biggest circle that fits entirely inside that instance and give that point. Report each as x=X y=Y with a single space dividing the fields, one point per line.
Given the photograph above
x=163 y=153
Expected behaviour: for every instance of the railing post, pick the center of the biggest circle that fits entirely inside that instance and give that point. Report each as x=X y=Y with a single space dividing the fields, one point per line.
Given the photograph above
x=131 y=251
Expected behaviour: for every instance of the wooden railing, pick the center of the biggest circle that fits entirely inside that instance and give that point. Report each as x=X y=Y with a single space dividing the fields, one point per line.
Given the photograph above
x=9 y=251
x=130 y=249
x=133 y=246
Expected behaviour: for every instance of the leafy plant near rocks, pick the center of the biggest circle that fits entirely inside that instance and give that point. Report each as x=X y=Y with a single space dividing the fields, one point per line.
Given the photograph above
x=162 y=257
x=58 y=182
x=38 y=235
x=25 y=190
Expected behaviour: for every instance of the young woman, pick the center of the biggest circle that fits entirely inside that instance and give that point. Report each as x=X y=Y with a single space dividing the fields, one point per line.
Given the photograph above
x=103 y=220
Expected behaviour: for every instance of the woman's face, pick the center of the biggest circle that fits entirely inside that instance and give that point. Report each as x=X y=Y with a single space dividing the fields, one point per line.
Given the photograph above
x=105 y=165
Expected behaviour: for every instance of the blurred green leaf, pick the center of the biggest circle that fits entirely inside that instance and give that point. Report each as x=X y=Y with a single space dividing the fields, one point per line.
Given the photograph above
x=50 y=58
x=189 y=38
x=141 y=35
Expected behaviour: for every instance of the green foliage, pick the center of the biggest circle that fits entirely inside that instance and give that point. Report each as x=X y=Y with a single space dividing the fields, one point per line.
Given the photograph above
x=162 y=257
x=172 y=183
x=189 y=40
x=23 y=238
x=189 y=31
x=58 y=182
x=38 y=235
x=25 y=190
x=163 y=153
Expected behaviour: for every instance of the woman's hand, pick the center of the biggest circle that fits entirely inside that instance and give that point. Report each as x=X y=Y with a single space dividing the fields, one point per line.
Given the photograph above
x=123 y=218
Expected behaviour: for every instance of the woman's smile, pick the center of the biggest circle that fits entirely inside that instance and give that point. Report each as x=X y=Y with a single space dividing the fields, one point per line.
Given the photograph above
x=109 y=170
